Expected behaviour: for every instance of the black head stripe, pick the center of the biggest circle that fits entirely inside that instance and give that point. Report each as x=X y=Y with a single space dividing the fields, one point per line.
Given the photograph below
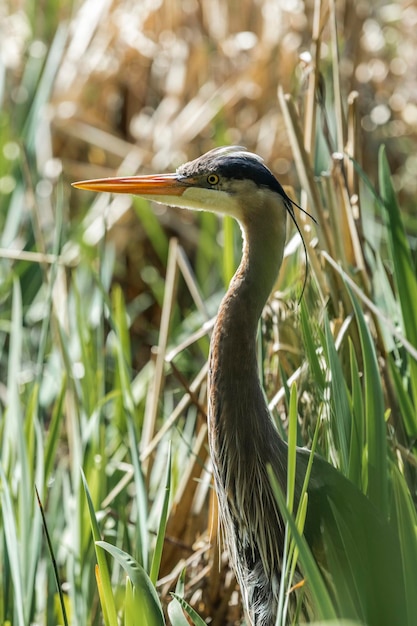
x=233 y=162
x=244 y=167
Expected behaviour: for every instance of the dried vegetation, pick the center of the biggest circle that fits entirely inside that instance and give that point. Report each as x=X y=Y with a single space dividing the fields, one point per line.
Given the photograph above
x=143 y=86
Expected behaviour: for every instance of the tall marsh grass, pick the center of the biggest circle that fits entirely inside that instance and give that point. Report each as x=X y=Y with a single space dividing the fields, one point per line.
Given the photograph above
x=105 y=311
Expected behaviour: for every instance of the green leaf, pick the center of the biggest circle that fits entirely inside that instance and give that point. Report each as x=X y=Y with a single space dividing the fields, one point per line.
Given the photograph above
x=176 y=614
x=404 y=270
x=11 y=540
x=321 y=598
x=180 y=586
x=152 y=227
x=197 y=620
x=148 y=601
x=406 y=524
x=156 y=560
x=109 y=609
x=407 y=410
x=377 y=478
x=311 y=348
x=340 y=408
x=357 y=435
x=292 y=447
x=122 y=345
x=52 y=439
x=229 y=264
x=134 y=612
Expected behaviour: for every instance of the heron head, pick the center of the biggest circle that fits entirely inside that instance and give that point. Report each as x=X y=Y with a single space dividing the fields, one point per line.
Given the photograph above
x=229 y=180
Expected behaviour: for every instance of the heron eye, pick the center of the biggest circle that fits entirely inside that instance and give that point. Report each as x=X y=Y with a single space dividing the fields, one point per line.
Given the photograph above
x=212 y=179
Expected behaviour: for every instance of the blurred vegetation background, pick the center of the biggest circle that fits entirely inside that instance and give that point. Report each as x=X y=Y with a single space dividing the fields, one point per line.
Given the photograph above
x=105 y=318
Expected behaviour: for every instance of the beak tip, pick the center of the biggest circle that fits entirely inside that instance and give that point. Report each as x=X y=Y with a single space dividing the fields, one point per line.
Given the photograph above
x=78 y=184
x=92 y=185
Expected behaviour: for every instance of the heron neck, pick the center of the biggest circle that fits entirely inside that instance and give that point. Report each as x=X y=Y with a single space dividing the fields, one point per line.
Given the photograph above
x=234 y=380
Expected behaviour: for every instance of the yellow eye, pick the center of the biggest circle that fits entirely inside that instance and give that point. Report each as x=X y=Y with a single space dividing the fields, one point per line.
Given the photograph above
x=212 y=179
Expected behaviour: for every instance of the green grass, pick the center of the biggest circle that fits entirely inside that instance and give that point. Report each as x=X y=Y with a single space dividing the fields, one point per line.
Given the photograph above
x=112 y=433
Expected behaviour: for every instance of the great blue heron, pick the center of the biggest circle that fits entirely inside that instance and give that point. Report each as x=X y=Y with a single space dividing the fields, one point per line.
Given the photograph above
x=243 y=439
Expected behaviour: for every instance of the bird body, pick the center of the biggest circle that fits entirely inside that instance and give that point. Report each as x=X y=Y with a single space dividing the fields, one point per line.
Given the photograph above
x=242 y=436
x=243 y=439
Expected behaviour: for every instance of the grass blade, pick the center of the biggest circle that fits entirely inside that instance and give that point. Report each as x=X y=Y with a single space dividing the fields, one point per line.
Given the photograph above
x=404 y=270
x=109 y=609
x=10 y=533
x=176 y=614
x=229 y=264
x=357 y=435
x=406 y=523
x=53 y=560
x=157 y=555
x=196 y=619
x=311 y=572
x=377 y=486
x=149 y=601
x=340 y=410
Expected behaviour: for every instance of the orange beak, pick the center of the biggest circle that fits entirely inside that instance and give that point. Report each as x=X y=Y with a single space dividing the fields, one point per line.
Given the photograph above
x=153 y=185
